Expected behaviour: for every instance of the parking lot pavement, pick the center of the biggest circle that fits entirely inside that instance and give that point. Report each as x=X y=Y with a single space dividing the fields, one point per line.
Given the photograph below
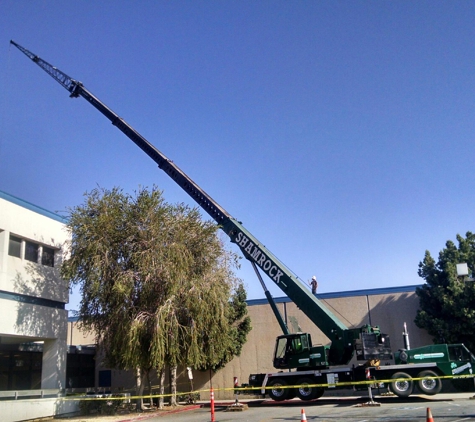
x=333 y=407
x=446 y=407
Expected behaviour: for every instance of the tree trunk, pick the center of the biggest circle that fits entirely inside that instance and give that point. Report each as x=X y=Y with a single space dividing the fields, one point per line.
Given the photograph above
x=139 y=385
x=161 y=401
x=173 y=386
x=149 y=385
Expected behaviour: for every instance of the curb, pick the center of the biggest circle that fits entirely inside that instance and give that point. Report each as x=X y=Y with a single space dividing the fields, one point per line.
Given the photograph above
x=228 y=403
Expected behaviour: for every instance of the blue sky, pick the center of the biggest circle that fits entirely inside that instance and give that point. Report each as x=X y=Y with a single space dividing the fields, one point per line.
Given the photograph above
x=340 y=133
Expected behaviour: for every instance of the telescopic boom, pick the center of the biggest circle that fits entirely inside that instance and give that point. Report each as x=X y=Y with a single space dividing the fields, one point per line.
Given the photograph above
x=340 y=336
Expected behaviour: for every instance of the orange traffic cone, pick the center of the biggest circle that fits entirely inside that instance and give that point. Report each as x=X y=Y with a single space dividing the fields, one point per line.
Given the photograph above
x=429 y=415
x=303 y=417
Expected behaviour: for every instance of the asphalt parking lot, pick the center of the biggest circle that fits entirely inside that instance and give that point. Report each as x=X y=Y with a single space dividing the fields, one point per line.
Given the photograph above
x=444 y=407
x=449 y=408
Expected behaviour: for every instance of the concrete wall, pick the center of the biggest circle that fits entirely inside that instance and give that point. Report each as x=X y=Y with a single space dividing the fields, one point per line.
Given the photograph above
x=391 y=311
x=77 y=336
x=388 y=308
x=26 y=409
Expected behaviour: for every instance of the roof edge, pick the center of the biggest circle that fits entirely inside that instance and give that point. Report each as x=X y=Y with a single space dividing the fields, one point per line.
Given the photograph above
x=32 y=207
x=348 y=293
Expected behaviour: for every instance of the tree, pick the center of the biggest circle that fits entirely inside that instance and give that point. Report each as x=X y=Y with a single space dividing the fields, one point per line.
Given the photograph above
x=240 y=325
x=158 y=286
x=447 y=302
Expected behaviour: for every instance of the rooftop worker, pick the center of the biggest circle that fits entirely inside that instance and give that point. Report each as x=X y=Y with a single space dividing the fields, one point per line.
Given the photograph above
x=314 y=284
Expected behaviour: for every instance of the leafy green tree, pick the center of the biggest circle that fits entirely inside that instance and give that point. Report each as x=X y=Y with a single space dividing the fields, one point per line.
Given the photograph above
x=240 y=325
x=158 y=286
x=447 y=302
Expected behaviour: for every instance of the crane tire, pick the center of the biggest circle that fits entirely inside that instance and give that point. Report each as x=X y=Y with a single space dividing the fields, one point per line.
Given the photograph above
x=402 y=388
x=429 y=386
x=306 y=393
x=278 y=390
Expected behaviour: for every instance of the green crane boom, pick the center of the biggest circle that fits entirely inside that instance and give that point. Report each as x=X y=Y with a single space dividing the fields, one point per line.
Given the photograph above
x=253 y=250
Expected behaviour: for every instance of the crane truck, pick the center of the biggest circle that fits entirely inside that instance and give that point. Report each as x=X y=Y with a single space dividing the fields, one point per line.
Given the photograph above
x=303 y=369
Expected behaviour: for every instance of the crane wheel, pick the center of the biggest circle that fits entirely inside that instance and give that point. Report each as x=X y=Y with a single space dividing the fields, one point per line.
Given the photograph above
x=304 y=392
x=429 y=386
x=404 y=386
x=279 y=390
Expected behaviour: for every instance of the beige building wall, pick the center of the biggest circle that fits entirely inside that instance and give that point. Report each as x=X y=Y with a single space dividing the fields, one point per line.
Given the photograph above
x=391 y=311
x=77 y=336
x=388 y=308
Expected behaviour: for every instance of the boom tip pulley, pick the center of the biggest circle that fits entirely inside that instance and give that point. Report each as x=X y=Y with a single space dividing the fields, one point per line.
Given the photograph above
x=73 y=86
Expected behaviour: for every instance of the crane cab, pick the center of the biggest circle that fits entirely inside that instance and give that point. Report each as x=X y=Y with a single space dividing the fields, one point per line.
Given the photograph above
x=296 y=351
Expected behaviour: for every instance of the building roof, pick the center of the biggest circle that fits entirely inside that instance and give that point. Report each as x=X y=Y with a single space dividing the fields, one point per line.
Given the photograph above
x=348 y=293
x=32 y=207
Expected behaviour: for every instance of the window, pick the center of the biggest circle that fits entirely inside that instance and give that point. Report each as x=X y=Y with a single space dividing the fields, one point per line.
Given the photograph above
x=47 y=257
x=31 y=251
x=105 y=378
x=14 y=246
x=459 y=353
x=280 y=348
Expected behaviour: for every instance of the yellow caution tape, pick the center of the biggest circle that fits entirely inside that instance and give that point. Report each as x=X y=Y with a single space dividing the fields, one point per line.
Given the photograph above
x=119 y=396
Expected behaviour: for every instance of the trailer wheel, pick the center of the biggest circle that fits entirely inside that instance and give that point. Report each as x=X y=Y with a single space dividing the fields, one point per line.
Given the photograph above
x=304 y=392
x=403 y=387
x=428 y=385
x=278 y=390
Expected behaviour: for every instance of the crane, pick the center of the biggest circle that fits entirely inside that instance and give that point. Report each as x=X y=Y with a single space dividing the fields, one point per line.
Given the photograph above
x=343 y=339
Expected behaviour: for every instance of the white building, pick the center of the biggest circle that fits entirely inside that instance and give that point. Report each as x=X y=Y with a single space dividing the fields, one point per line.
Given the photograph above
x=33 y=319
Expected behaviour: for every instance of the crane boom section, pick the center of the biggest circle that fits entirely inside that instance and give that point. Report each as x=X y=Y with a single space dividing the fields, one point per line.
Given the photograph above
x=252 y=249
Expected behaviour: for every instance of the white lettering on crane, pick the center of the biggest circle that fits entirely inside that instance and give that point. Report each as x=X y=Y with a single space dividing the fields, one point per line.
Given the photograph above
x=261 y=261
x=243 y=241
x=255 y=254
x=278 y=275
x=249 y=247
x=462 y=368
x=259 y=257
